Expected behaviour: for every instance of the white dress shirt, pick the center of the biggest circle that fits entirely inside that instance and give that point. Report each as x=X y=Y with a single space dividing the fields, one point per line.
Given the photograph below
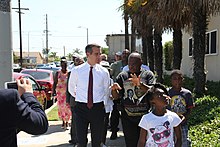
x=144 y=67
x=108 y=102
x=79 y=80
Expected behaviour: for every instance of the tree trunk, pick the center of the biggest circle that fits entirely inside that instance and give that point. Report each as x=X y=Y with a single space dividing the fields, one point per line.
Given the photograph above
x=158 y=55
x=144 y=50
x=150 y=47
x=199 y=23
x=126 y=31
x=133 y=36
x=177 y=45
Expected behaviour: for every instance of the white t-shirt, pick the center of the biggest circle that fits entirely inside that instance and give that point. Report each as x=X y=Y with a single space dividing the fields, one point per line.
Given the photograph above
x=160 y=129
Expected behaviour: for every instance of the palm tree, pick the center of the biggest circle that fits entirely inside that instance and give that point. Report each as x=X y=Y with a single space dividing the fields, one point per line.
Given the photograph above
x=53 y=55
x=159 y=55
x=126 y=18
x=201 y=10
x=133 y=36
x=144 y=28
x=70 y=55
x=78 y=51
x=195 y=13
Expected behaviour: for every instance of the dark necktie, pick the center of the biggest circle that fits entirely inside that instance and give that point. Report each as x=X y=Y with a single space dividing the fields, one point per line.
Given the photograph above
x=90 y=90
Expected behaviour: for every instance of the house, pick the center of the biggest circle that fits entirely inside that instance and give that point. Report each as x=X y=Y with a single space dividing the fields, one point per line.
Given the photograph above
x=116 y=42
x=32 y=58
x=212 y=57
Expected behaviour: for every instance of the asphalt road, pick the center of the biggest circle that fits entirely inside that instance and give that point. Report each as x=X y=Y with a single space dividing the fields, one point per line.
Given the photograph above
x=58 y=137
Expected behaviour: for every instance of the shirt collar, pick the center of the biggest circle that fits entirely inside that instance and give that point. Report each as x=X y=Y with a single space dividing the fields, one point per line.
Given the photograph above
x=88 y=65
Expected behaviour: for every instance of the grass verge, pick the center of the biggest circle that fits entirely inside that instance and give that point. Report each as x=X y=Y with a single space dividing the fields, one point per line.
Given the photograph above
x=53 y=114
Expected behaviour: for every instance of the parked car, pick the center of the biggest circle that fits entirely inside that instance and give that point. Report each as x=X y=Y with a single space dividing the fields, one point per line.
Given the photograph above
x=52 y=64
x=38 y=91
x=40 y=65
x=16 y=67
x=54 y=69
x=46 y=79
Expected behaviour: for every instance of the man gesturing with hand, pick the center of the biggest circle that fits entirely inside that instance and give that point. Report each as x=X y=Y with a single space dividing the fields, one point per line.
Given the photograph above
x=131 y=87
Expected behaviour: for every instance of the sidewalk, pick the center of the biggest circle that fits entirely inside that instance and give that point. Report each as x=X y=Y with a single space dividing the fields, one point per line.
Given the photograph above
x=58 y=137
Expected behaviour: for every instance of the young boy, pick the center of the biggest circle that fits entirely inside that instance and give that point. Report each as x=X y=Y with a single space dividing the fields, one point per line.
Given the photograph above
x=159 y=126
x=181 y=102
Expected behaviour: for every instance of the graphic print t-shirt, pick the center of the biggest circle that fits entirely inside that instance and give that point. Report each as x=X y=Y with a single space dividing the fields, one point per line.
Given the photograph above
x=160 y=129
x=132 y=97
x=180 y=101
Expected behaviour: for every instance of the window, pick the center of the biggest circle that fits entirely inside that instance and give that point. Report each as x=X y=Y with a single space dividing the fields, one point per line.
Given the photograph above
x=211 y=43
x=190 y=47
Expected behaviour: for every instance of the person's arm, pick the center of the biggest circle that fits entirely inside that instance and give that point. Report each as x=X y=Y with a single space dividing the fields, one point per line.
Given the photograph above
x=142 y=138
x=177 y=132
x=67 y=90
x=115 y=91
x=72 y=82
x=106 y=87
x=189 y=107
x=186 y=115
x=55 y=83
x=31 y=116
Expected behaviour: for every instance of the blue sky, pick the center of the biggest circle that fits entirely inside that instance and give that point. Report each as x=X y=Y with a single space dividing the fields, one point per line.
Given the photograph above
x=101 y=17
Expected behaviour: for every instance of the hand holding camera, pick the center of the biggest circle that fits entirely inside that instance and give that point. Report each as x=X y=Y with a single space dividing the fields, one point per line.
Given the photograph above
x=24 y=85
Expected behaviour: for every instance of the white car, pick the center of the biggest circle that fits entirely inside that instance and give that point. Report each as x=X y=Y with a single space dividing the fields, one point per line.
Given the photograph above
x=16 y=66
x=52 y=64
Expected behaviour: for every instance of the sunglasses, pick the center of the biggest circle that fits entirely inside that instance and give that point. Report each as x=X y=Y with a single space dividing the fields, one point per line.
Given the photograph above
x=158 y=136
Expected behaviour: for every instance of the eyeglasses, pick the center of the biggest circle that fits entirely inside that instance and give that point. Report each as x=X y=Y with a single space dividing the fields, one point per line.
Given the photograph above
x=158 y=136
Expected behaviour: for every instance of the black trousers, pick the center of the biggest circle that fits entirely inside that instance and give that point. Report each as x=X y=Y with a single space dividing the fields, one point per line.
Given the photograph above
x=93 y=117
x=131 y=130
x=73 y=126
x=106 y=121
x=115 y=115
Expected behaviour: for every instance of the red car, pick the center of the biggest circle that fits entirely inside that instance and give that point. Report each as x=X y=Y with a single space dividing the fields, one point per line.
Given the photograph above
x=45 y=79
x=38 y=91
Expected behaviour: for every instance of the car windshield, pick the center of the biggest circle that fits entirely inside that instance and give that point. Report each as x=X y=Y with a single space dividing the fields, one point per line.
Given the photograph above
x=38 y=75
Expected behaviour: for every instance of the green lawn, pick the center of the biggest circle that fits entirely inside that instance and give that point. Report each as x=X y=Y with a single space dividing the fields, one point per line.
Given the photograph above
x=53 y=114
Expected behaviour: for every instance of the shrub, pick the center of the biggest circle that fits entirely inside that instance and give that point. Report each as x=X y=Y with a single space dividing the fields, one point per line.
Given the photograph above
x=204 y=122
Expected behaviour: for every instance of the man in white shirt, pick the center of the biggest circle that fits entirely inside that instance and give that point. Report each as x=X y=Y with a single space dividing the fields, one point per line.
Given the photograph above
x=80 y=87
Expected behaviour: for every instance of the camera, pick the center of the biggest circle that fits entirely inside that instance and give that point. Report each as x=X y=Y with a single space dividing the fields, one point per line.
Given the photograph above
x=11 y=85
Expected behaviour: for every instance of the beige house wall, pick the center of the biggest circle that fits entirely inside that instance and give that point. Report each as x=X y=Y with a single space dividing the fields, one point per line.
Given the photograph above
x=116 y=42
x=212 y=61
x=37 y=55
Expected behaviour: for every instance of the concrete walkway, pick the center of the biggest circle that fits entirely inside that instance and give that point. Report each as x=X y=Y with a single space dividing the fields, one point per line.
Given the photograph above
x=58 y=137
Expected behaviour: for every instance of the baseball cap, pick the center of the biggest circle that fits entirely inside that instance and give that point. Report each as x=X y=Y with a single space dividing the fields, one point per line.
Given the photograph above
x=118 y=53
x=104 y=63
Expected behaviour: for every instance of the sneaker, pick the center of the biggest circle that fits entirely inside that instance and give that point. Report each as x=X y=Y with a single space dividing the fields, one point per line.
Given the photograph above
x=113 y=136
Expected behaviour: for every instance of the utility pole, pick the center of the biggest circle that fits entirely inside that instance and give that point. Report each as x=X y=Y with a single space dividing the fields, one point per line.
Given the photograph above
x=6 y=52
x=47 y=49
x=87 y=33
x=20 y=32
x=64 y=51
